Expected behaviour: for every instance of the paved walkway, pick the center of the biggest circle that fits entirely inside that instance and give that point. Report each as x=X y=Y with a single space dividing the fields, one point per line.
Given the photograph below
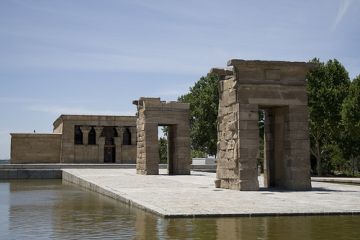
x=195 y=195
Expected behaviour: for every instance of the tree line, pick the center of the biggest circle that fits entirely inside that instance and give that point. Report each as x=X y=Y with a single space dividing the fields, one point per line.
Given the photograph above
x=334 y=109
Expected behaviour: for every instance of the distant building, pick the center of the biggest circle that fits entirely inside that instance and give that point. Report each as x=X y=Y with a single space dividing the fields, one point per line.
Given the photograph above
x=204 y=161
x=79 y=139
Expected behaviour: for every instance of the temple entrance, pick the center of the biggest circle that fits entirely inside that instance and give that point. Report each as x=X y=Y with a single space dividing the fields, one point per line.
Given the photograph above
x=109 y=154
x=274 y=145
x=167 y=146
x=109 y=148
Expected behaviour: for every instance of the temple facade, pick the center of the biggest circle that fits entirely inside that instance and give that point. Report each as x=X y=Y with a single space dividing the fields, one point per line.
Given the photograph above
x=79 y=139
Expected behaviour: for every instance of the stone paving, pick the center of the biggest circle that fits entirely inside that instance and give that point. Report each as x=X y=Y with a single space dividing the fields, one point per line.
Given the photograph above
x=195 y=195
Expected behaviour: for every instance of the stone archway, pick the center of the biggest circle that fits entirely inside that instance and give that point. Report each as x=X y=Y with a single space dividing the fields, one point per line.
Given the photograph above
x=279 y=88
x=153 y=113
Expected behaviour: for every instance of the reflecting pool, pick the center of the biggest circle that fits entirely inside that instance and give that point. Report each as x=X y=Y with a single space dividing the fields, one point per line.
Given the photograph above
x=49 y=209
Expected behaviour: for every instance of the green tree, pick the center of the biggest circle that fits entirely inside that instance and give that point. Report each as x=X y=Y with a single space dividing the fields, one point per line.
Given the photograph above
x=351 y=120
x=204 y=100
x=163 y=150
x=327 y=87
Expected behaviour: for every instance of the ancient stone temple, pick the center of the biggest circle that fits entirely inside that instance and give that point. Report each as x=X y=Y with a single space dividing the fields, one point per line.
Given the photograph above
x=153 y=113
x=279 y=90
x=79 y=139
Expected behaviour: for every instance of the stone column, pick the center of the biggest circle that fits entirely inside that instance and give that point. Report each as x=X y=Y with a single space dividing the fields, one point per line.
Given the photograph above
x=297 y=149
x=249 y=147
x=118 y=144
x=85 y=131
x=120 y=132
x=179 y=137
x=101 y=143
x=152 y=159
x=133 y=135
x=140 y=146
x=98 y=131
x=147 y=161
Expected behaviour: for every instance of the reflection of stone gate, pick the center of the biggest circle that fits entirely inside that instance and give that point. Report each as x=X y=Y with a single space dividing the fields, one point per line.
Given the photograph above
x=278 y=88
x=153 y=113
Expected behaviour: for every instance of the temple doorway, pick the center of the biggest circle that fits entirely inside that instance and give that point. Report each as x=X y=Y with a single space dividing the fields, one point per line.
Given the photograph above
x=109 y=154
x=109 y=148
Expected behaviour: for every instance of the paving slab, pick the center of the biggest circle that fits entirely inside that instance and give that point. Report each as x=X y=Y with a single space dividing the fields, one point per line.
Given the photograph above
x=195 y=195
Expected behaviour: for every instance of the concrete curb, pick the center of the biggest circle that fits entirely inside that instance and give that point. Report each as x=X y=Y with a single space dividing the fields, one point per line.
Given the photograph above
x=336 y=180
x=54 y=171
x=72 y=179
x=82 y=180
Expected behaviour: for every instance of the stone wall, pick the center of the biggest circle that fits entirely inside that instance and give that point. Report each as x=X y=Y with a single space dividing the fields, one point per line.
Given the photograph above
x=40 y=148
x=35 y=148
x=85 y=153
x=128 y=153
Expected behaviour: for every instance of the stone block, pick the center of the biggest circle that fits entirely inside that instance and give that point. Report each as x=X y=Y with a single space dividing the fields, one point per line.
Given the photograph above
x=248 y=185
x=229 y=84
x=251 y=143
x=248 y=174
x=222 y=145
x=224 y=184
x=247 y=163
x=228 y=135
x=248 y=125
x=232 y=126
x=230 y=98
x=226 y=173
x=248 y=115
x=222 y=154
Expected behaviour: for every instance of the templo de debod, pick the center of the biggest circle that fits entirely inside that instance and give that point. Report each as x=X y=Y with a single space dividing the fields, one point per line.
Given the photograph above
x=277 y=88
x=79 y=139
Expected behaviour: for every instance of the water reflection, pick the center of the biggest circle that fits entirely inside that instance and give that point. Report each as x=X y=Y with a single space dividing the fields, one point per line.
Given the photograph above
x=51 y=210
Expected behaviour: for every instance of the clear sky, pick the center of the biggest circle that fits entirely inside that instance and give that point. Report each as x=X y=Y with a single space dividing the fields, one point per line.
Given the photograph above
x=95 y=57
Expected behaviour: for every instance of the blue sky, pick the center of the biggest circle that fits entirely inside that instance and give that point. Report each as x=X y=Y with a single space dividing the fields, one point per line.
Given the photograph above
x=95 y=57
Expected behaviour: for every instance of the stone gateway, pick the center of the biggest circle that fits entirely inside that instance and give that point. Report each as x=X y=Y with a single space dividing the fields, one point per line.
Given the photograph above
x=279 y=89
x=175 y=115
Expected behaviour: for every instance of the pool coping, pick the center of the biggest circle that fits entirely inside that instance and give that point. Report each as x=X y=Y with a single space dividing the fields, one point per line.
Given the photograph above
x=71 y=178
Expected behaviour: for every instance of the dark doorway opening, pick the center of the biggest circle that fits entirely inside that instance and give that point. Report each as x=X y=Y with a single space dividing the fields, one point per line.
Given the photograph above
x=274 y=144
x=109 y=154
x=78 y=136
x=127 y=137
x=92 y=137
x=166 y=136
x=109 y=148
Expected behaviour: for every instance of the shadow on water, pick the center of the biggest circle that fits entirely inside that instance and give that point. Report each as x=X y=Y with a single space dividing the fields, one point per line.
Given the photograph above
x=46 y=209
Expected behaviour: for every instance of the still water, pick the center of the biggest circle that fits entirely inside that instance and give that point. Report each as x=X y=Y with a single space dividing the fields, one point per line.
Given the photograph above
x=48 y=209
